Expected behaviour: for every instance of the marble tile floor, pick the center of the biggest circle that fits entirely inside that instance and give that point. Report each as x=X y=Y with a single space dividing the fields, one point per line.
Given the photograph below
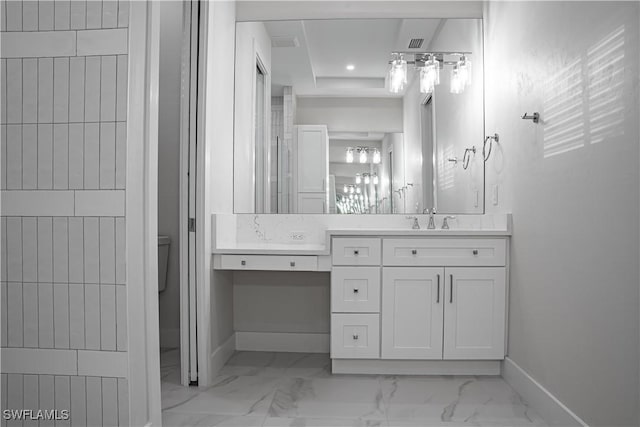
x=297 y=389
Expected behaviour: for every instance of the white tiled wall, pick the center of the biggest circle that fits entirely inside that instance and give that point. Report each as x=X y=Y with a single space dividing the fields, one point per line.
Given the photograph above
x=63 y=86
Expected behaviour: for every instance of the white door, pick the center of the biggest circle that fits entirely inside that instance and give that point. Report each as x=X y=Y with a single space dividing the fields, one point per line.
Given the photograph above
x=474 y=317
x=312 y=159
x=412 y=304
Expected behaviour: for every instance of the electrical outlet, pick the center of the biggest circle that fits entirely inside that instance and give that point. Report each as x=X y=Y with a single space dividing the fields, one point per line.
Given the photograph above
x=476 y=197
x=298 y=236
x=494 y=194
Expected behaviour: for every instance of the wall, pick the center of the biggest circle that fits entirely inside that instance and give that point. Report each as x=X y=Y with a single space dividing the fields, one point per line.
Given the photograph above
x=63 y=129
x=572 y=184
x=252 y=42
x=171 y=20
x=351 y=114
x=219 y=119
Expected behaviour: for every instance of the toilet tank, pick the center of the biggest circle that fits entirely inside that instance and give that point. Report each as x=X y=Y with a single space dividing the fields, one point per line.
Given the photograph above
x=163 y=261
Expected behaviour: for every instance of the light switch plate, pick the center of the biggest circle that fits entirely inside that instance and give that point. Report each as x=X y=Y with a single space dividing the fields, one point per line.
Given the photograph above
x=494 y=194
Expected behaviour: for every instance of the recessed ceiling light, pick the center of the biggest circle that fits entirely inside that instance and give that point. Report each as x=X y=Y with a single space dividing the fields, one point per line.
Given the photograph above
x=351 y=67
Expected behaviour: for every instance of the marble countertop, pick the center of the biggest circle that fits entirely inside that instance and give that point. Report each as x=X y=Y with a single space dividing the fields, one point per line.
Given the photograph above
x=268 y=248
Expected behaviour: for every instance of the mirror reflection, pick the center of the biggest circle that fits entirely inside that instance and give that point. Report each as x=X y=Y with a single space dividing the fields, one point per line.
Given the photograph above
x=359 y=116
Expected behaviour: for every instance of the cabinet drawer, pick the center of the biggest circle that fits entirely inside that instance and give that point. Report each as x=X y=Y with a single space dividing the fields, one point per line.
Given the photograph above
x=269 y=262
x=356 y=251
x=444 y=252
x=355 y=289
x=355 y=336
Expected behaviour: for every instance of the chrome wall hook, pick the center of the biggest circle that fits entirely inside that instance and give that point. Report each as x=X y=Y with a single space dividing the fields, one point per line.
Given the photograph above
x=490 y=138
x=535 y=117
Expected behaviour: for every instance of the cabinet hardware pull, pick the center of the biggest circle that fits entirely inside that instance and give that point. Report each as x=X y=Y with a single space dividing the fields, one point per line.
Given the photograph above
x=451 y=289
x=292 y=263
x=355 y=290
x=355 y=252
x=475 y=252
x=438 y=297
x=355 y=336
x=414 y=251
x=243 y=262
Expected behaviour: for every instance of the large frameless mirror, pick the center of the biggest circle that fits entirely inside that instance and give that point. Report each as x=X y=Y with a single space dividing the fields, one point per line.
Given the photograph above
x=359 y=116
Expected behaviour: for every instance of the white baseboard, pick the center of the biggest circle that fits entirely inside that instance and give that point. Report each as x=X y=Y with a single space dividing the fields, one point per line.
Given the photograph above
x=554 y=412
x=170 y=338
x=221 y=354
x=415 y=367
x=280 y=341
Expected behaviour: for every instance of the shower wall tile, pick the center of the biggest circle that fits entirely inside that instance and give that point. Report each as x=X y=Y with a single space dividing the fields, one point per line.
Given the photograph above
x=30 y=249
x=45 y=90
x=76 y=88
x=92 y=89
x=45 y=15
x=61 y=156
x=92 y=317
x=14 y=157
x=62 y=14
x=61 y=90
x=109 y=14
x=45 y=249
x=30 y=15
x=121 y=156
x=108 y=317
x=76 y=156
x=14 y=90
x=76 y=315
x=107 y=156
x=45 y=315
x=91 y=155
x=29 y=157
x=108 y=89
x=61 y=250
x=30 y=91
x=78 y=15
x=30 y=314
x=62 y=396
x=45 y=156
x=14 y=15
x=61 y=315
x=15 y=318
x=121 y=318
x=3 y=314
x=94 y=14
x=121 y=88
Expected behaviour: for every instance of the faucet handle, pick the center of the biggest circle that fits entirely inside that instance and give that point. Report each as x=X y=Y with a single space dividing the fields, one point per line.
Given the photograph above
x=445 y=223
x=415 y=225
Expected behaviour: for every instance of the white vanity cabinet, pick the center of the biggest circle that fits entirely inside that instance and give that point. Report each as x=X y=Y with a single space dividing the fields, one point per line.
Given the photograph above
x=441 y=299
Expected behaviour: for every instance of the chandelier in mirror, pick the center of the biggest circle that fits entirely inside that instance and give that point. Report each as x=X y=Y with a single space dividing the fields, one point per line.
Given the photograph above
x=428 y=65
x=363 y=154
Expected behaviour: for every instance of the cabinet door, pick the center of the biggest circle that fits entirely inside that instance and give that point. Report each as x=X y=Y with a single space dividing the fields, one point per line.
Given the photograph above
x=412 y=302
x=474 y=314
x=312 y=159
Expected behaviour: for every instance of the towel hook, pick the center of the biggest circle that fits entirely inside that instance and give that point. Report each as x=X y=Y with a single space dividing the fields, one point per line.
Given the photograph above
x=490 y=138
x=535 y=117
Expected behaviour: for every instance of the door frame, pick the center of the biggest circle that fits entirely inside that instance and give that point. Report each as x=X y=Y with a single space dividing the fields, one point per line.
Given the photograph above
x=141 y=215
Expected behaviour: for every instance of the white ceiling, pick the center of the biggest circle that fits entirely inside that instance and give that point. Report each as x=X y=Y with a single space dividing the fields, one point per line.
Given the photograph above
x=317 y=66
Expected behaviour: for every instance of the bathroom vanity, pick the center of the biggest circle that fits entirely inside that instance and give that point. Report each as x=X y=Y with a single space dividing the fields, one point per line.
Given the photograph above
x=403 y=301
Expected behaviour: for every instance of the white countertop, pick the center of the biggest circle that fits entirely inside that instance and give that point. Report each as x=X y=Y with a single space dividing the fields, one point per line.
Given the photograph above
x=267 y=248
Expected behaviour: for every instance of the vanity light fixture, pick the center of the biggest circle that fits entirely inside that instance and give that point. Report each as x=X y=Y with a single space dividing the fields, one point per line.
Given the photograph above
x=397 y=73
x=349 y=155
x=345 y=189
x=375 y=179
x=376 y=156
x=429 y=75
x=367 y=179
x=351 y=189
x=428 y=65
x=358 y=179
x=362 y=154
x=351 y=67
x=358 y=190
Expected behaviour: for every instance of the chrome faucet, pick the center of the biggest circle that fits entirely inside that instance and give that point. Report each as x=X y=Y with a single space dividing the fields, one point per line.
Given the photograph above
x=415 y=225
x=445 y=224
x=432 y=212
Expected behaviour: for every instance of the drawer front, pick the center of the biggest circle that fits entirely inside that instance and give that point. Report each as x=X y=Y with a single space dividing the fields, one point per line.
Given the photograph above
x=269 y=262
x=355 y=336
x=356 y=251
x=355 y=289
x=445 y=252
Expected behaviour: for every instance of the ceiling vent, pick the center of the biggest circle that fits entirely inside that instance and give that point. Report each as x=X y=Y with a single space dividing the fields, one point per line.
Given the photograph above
x=285 y=41
x=415 y=43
